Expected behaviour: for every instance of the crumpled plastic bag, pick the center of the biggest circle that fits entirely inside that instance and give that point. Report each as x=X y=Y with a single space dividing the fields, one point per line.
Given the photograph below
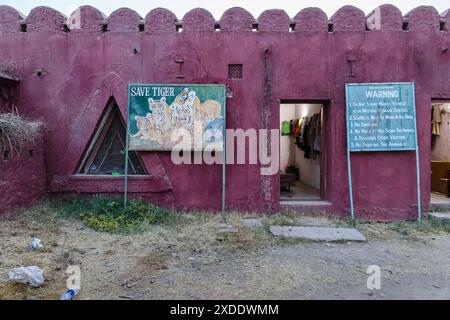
x=36 y=244
x=32 y=276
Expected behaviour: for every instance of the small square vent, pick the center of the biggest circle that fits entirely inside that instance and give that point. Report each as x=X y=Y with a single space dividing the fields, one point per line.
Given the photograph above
x=235 y=71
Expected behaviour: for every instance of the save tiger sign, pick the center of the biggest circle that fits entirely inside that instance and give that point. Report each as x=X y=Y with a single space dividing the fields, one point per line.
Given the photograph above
x=164 y=116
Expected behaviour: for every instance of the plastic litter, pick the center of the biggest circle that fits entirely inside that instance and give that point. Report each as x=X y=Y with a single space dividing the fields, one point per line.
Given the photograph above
x=32 y=276
x=69 y=294
x=36 y=244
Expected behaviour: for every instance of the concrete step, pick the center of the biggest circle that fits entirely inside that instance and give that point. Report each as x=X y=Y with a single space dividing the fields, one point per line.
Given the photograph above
x=443 y=217
x=435 y=206
x=318 y=233
x=307 y=207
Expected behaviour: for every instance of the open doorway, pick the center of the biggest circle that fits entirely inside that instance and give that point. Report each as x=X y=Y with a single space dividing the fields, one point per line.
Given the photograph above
x=301 y=155
x=440 y=153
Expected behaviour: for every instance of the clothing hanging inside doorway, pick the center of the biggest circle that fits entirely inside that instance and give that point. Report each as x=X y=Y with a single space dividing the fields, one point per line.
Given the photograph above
x=306 y=134
x=436 y=119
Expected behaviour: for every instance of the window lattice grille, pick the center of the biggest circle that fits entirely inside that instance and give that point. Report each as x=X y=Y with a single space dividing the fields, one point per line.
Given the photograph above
x=235 y=71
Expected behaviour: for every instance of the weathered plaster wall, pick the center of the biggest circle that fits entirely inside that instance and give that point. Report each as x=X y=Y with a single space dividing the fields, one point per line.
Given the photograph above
x=22 y=177
x=70 y=67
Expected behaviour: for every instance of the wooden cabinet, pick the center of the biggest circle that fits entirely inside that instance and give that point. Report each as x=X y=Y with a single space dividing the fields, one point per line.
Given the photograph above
x=440 y=177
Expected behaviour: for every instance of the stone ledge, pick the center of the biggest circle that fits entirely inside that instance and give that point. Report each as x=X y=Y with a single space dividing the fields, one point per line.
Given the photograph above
x=318 y=233
x=443 y=217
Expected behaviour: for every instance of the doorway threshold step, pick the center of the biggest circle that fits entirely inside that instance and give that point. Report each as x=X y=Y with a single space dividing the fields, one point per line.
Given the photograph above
x=318 y=233
x=305 y=203
x=438 y=206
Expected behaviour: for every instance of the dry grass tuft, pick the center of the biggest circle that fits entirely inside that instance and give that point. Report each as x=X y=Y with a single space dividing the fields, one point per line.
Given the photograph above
x=17 y=131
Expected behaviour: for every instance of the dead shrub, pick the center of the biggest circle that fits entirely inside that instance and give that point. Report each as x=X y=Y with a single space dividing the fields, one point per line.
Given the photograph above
x=17 y=131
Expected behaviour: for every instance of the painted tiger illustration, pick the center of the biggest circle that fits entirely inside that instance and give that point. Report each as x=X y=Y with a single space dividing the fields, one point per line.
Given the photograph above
x=187 y=109
x=156 y=124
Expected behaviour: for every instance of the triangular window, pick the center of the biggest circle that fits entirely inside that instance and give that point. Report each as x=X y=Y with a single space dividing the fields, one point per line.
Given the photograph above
x=106 y=152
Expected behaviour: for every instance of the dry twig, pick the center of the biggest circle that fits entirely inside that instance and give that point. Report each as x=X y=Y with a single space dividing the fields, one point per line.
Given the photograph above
x=17 y=131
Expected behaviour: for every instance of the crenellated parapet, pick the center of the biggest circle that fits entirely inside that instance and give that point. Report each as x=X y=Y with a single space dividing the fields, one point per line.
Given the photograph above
x=385 y=17
x=10 y=19
x=348 y=18
x=86 y=19
x=313 y=20
x=445 y=20
x=124 y=19
x=44 y=19
x=273 y=20
x=423 y=18
x=237 y=19
x=198 y=19
x=160 y=20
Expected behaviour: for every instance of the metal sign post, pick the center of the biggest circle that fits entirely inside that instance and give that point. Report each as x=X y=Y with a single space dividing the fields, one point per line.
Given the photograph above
x=224 y=161
x=125 y=187
x=419 y=205
x=381 y=117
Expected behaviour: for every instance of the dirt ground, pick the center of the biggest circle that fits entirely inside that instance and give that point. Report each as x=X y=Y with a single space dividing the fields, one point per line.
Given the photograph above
x=191 y=260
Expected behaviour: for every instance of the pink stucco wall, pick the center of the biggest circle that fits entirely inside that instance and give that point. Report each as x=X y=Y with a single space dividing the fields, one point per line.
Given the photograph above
x=71 y=66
